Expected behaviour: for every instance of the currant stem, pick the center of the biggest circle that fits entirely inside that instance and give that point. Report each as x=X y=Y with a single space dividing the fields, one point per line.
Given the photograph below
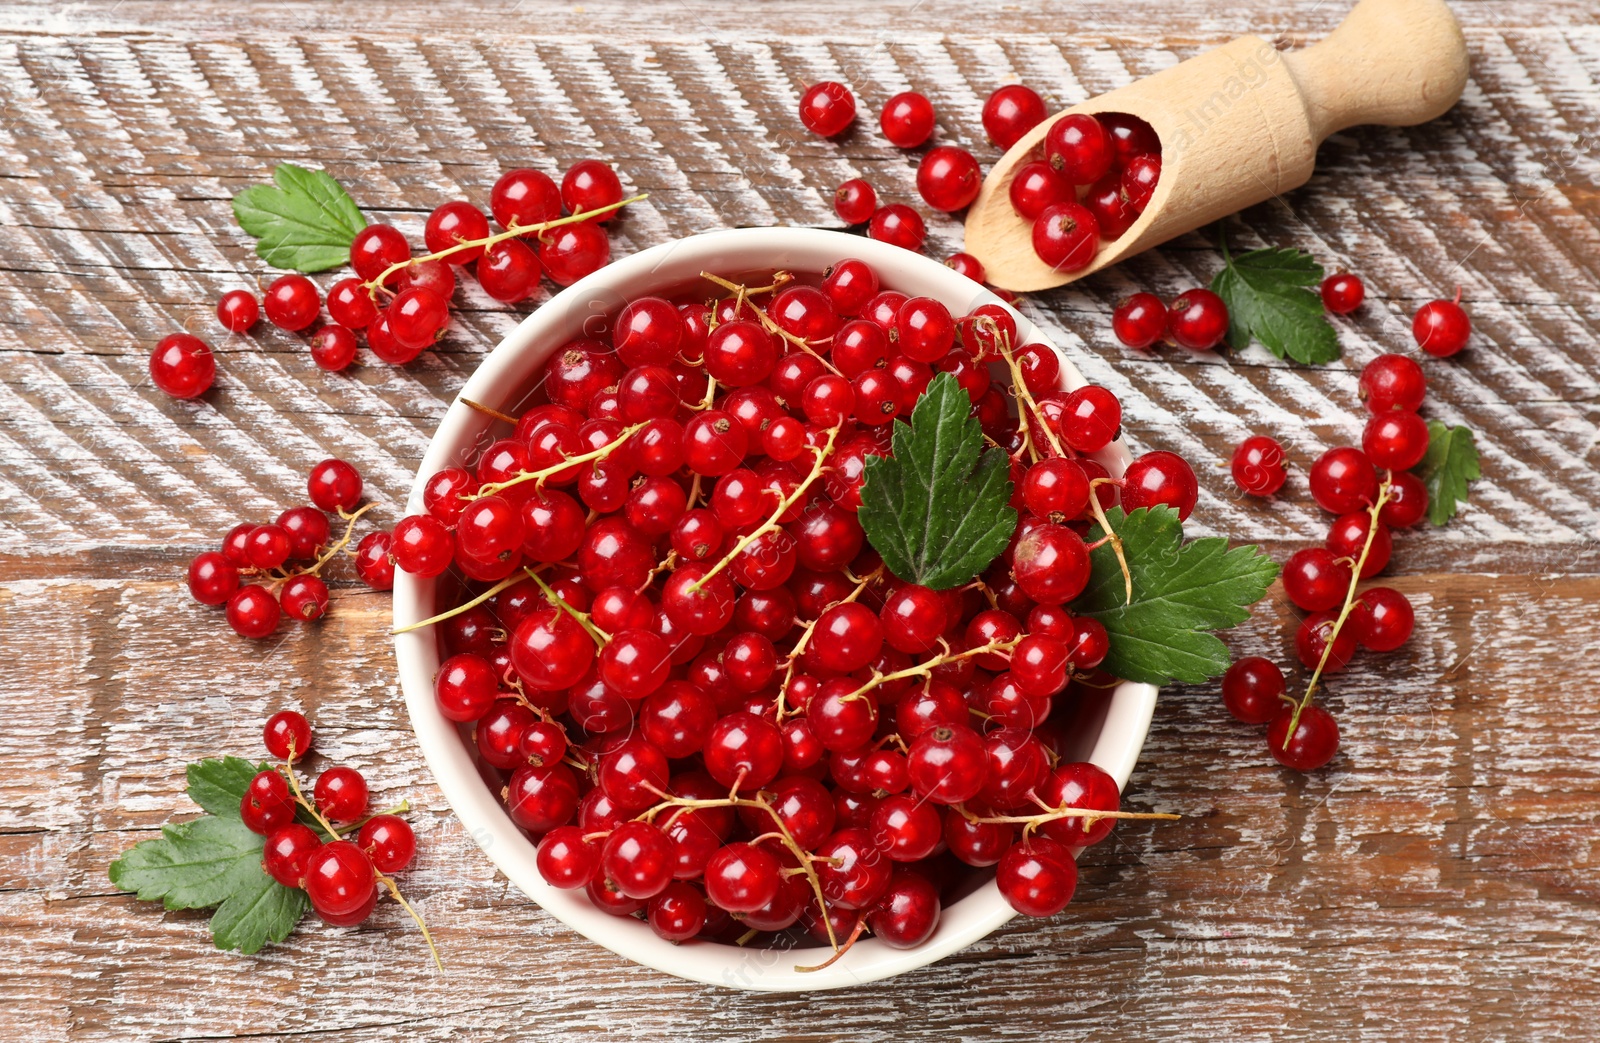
x=1344 y=612
x=513 y=232
x=1116 y=541
x=772 y=523
x=805 y=638
x=927 y=667
x=600 y=636
x=490 y=410
x=331 y=552
x=570 y=461
x=464 y=606
x=394 y=890
x=766 y=320
x=838 y=950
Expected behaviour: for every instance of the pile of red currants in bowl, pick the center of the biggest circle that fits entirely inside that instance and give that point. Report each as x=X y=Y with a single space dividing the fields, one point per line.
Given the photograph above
x=695 y=685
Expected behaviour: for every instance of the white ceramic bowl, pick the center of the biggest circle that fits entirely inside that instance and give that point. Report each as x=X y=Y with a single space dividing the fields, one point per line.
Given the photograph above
x=1111 y=731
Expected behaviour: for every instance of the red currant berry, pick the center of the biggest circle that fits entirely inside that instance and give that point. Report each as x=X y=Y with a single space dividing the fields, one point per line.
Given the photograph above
x=1198 y=320
x=453 y=224
x=1315 y=739
x=339 y=880
x=1079 y=785
x=384 y=346
x=292 y=302
x=1315 y=579
x=948 y=178
x=333 y=347
x=1392 y=382
x=1258 y=466
x=1090 y=418
x=570 y=252
x=976 y=843
x=1066 y=237
x=288 y=851
x=743 y=750
x=1252 y=690
x=1037 y=877
x=589 y=185
x=1036 y=187
x=1348 y=538
x=422 y=546
x=287 y=735
x=1011 y=112
x=898 y=225
x=334 y=486
x=907 y=120
x=304 y=598
x=1113 y=208
x=1382 y=619
x=827 y=108
x=182 y=366
x=373 y=563
x=1056 y=489
x=850 y=284
x=1395 y=440
x=267 y=804
x=1441 y=328
x=417 y=318
x=524 y=197
x=1138 y=182
x=1079 y=147
x=855 y=202
x=678 y=913
x=1311 y=643
x=1158 y=478
x=963 y=263
x=740 y=354
x=1342 y=293
x=388 y=842
x=509 y=271
x=465 y=687
x=742 y=878
x=1051 y=564
x=377 y=248
x=341 y=794
x=1130 y=136
x=212 y=578
x=1343 y=480
x=350 y=305
x=948 y=764
x=566 y=860
x=905 y=828
x=1140 y=320
x=253 y=612
x=238 y=310
x=851 y=869
x=1407 y=502
x=923 y=329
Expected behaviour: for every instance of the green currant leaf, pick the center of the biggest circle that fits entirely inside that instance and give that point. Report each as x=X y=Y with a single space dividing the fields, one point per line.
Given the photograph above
x=1271 y=296
x=1181 y=592
x=213 y=861
x=938 y=510
x=304 y=223
x=1451 y=462
x=219 y=785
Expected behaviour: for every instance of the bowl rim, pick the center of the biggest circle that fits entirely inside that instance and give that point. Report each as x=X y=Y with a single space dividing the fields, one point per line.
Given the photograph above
x=509 y=365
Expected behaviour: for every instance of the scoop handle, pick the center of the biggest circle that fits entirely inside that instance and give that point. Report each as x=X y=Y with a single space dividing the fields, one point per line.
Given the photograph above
x=1392 y=62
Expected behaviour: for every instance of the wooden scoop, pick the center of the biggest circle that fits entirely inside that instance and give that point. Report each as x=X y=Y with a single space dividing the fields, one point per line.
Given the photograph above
x=1239 y=125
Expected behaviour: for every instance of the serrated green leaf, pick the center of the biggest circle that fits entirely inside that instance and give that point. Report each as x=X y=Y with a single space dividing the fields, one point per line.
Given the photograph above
x=218 y=785
x=1450 y=463
x=306 y=223
x=937 y=510
x=1271 y=297
x=213 y=861
x=1181 y=592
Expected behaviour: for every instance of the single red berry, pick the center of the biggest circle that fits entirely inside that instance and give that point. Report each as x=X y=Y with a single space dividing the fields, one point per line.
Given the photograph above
x=373 y=563
x=1131 y=136
x=1312 y=647
x=570 y=252
x=1395 y=440
x=452 y=224
x=1407 y=502
x=417 y=318
x=253 y=612
x=1091 y=416
x=524 y=197
x=383 y=344
x=465 y=687
x=292 y=302
x=1066 y=237
x=1315 y=739
x=1343 y=480
x=948 y=178
x=589 y=185
x=266 y=805
x=509 y=271
x=304 y=598
x=923 y=329
x=1113 y=209
x=1252 y=690
x=1056 y=489
x=898 y=225
x=287 y=853
x=212 y=578
x=827 y=108
x=1140 y=320
x=340 y=880
x=182 y=366
x=350 y=305
x=341 y=794
x=1441 y=328
x=238 y=310
x=1342 y=293
x=1347 y=538
x=1051 y=563
x=678 y=913
x=1392 y=382
x=855 y=202
x=1036 y=187
x=377 y=248
x=333 y=347
x=1198 y=320
x=964 y=263
x=1382 y=619
x=850 y=284
x=1010 y=112
x=907 y=119
x=1315 y=579
x=1157 y=478
x=1079 y=784
x=1138 y=181
x=422 y=545
x=287 y=735
x=334 y=486
x=566 y=860
x=388 y=842
x=1037 y=877
x=1079 y=147
x=852 y=870
x=1258 y=466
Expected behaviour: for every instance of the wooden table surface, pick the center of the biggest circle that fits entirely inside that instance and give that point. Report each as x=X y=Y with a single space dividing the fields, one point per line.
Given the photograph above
x=1437 y=882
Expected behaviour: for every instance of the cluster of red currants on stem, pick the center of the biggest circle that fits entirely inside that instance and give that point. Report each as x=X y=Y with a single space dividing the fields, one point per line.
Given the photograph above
x=264 y=572
x=402 y=302
x=704 y=695
x=341 y=876
x=1372 y=492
